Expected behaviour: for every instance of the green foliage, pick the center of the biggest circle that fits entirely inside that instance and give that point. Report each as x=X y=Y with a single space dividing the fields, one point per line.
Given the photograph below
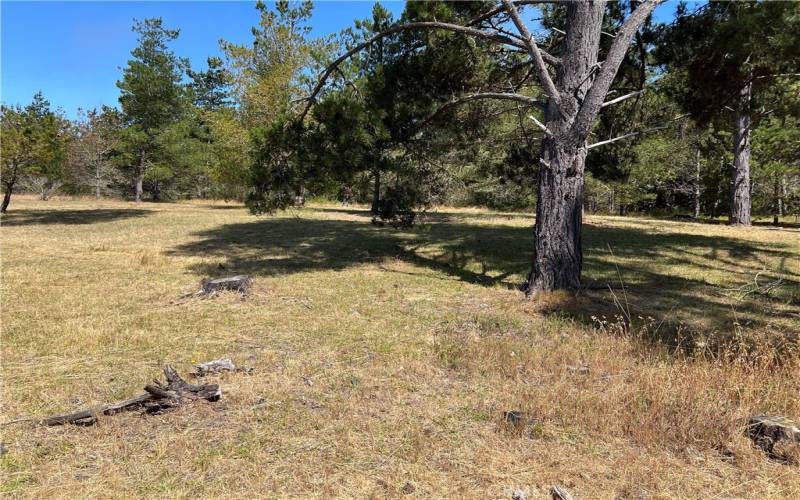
x=722 y=45
x=382 y=130
x=151 y=95
x=34 y=145
x=230 y=153
x=277 y=174
x=163 y=142
x=776 y=155
x=267 y=73
x=210 y=88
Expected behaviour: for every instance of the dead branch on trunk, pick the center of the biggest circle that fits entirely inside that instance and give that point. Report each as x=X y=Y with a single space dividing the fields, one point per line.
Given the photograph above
x=158 y=398
x=541 y=125
x=626 y=136
x=637 y=132
x=622 y=98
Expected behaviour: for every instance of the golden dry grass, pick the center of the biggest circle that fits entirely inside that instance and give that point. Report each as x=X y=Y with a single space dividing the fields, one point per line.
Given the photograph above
x=386 y=358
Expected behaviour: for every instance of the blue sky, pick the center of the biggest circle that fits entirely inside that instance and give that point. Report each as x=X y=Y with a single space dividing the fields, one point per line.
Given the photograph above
x=73 y=51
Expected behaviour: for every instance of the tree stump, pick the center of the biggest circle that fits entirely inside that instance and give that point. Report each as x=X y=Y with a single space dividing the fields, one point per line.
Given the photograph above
x=239 y=284
x=218 y=366
x=767 y=431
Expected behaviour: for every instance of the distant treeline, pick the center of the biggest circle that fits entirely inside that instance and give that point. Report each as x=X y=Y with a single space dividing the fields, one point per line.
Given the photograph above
x=399 y=122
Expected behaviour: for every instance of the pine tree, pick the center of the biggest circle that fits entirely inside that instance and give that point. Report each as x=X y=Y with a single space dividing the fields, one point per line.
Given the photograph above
x=152 y=98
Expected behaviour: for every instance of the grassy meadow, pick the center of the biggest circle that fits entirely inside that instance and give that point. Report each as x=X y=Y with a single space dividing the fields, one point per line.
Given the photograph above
x=384 y=359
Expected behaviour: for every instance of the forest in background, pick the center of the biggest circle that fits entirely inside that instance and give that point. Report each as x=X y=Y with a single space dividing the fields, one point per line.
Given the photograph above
x=394 y=126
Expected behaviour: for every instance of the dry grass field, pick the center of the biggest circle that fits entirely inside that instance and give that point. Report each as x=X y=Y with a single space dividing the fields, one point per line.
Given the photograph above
x=384 y=359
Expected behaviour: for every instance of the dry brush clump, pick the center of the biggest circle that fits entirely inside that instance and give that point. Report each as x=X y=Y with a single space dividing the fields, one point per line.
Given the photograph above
x=608 y=382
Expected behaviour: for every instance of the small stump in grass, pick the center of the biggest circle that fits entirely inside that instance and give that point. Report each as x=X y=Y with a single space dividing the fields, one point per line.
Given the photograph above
x=769 y=431
x=239 y=284
x=218 y=366
x=521 y=423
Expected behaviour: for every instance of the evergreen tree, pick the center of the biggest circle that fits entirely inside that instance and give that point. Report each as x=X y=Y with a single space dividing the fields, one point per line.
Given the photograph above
x=728 y=53
x=152 y=100
x=33 y=147
x=210 y=88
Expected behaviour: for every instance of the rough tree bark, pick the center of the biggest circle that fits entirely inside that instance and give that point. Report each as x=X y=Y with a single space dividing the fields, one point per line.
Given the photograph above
x=140 y=176
x=558 y=256
x=740 y=174
x=779 y=194
x=697 y=185
x=376 y=193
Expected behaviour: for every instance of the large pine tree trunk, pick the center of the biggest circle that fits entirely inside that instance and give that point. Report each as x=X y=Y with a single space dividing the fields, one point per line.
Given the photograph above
x=697 y=185
x=376 y=193
x=740 y=175
x=140 y=177
x=558 y=257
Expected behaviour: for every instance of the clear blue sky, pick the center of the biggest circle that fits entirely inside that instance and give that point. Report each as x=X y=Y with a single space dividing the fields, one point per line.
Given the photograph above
x=73 y=51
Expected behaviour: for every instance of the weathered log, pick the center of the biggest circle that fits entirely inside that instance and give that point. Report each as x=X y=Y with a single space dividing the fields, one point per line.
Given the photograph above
x=89 y=416
x=159 y=397
x=239 y=284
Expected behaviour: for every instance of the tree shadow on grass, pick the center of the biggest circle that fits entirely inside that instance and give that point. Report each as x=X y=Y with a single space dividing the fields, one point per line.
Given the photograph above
x=71 y=217
x=663 y=272
x=232 y=206
x=434 y=216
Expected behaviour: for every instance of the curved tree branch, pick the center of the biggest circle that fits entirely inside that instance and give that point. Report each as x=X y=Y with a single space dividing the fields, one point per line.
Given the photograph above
x=495 y=37
x=422 y=25
x=501 y=8
x=533 y=49
x=529 y=101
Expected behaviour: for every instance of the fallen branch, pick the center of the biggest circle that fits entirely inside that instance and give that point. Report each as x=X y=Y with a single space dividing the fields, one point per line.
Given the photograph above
x=158 y=398
x=754 y=288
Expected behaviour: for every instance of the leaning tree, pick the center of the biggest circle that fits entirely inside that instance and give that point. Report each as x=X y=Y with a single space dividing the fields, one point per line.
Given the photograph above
x=575 y=86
